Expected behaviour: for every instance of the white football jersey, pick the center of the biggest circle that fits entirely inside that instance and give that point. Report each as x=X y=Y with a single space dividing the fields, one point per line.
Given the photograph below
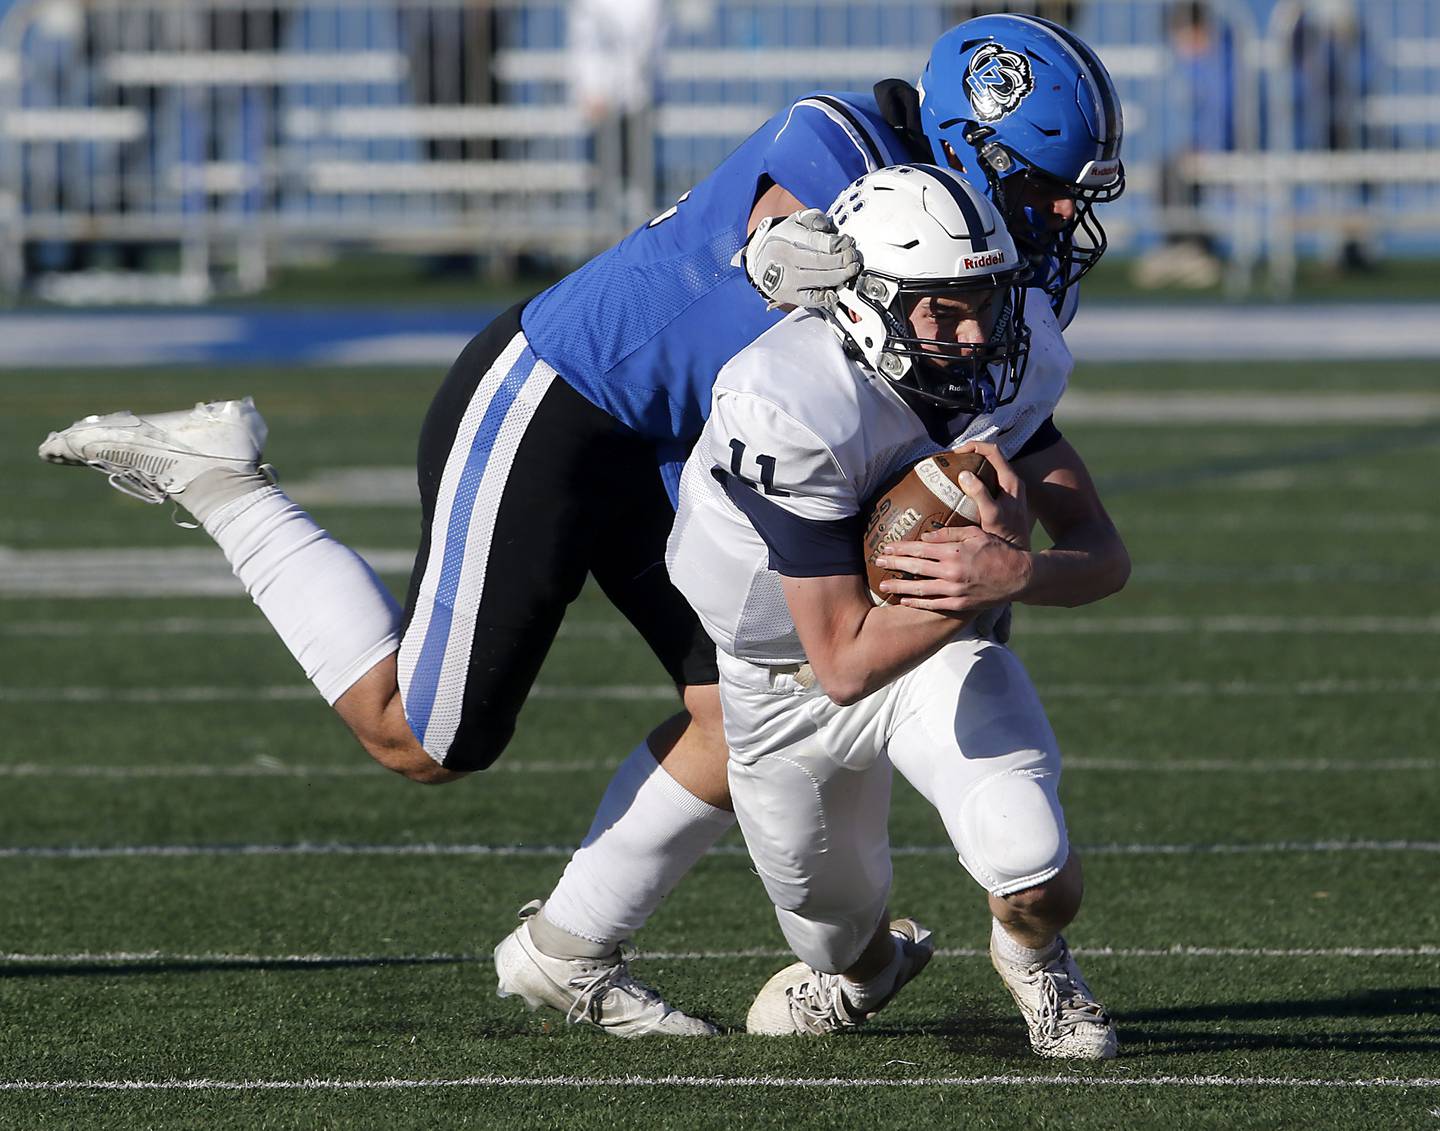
x=814 y=435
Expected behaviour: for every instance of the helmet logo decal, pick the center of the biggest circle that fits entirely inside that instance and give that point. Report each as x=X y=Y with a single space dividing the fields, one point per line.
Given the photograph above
x=984 y=259
x=997 y=81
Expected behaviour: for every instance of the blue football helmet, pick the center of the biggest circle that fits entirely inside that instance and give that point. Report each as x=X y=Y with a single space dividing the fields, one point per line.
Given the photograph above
x=1026 y=105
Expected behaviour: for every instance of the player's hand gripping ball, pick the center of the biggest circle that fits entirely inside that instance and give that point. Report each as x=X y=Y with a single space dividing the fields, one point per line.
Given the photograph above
x=927 y=497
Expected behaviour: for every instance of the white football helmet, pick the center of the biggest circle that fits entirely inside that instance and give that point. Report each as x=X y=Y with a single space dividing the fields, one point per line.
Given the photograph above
x=923 y=231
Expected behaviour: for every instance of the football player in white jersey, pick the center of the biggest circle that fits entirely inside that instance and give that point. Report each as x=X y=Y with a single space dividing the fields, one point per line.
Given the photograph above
x=936 y=344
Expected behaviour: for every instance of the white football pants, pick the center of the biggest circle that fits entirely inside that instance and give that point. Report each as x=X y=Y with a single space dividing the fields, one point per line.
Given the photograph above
x=810 y=783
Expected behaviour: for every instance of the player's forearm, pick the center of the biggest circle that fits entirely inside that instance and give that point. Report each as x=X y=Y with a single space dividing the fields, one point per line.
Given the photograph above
x=854 y=646
x=886 y=642
x=775 y=203
x=1086 y=564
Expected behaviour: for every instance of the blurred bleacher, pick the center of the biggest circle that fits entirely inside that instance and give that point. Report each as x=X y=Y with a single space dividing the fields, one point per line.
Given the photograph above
x=193 y=143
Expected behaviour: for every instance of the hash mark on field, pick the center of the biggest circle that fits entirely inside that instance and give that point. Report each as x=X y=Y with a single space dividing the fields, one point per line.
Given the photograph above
x=1049 y=1081
x=303 y=848
x=666 y=693
x=1175 y=951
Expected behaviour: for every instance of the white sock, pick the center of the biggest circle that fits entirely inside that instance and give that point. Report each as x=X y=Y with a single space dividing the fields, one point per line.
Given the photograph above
x=648 y=832
x=868 y=994
x=211 y=490
x=557 y=942
x=1018 y=953
x=321 y=597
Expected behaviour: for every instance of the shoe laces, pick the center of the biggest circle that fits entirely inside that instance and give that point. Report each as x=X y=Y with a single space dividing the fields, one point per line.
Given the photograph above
x=592 y=990
x=820 y=1004
x=1066 y=1002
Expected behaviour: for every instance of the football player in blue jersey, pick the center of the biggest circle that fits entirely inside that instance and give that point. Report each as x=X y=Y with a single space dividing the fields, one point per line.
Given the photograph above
x=537 y=468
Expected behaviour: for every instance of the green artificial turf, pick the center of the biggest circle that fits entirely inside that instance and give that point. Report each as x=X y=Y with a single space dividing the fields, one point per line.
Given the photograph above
x=1254 y=781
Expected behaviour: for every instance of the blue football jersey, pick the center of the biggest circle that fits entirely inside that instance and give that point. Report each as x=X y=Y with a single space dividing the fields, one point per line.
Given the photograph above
x=643 y=329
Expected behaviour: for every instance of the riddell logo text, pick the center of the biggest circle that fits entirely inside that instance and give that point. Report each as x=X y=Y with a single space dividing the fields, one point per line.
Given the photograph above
x=988 y=259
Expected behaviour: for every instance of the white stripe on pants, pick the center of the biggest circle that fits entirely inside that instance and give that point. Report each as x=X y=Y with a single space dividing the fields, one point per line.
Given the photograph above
x=440 y=580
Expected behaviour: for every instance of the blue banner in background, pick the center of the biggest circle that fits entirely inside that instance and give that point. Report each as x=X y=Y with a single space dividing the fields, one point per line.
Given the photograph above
x=434 y=338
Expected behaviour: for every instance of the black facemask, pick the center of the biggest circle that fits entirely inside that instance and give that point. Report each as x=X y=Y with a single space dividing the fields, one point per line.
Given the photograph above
x=1061 y=257
x=959 y=376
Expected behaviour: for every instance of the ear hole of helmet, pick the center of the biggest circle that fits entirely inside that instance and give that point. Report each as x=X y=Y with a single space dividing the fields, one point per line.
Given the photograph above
x=878 y=290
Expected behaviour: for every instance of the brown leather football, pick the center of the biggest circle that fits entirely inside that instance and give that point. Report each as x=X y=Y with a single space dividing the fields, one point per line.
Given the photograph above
x=926 y=497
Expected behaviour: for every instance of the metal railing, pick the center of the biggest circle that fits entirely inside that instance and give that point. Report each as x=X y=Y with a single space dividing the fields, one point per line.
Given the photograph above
x=214 y=135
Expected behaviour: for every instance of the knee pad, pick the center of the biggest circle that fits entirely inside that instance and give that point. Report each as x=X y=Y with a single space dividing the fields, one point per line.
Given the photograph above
x=1013 y=831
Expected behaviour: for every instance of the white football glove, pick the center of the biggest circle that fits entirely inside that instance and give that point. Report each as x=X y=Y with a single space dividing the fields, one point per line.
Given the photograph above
x=800 y=260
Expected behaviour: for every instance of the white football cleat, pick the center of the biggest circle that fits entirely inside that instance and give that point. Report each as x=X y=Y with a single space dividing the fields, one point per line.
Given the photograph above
x=599 y=991
x=1065 y=1020
x=802 y=1001
x=154 y=457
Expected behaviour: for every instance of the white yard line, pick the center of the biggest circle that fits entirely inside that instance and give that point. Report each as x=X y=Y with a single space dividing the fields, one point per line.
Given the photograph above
x=151 y=626
x=1057 y=1080
x=1241 y=849
x=1212 y=332
x=1209 y=407
x=1252 y=765
x=561 y=851
x=1228 y=625
x=200 y=571
x=1290 y=573
x=1370 y=522
x=611 y=631
x=158 y=694
x=80 y=958
x=521 y=765
x=1244 y=688
x=666 y=693
x=361 y=769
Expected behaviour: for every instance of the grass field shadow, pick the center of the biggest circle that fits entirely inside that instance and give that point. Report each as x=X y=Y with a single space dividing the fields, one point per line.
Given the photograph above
x=1169 y=1030
x=984 y=1029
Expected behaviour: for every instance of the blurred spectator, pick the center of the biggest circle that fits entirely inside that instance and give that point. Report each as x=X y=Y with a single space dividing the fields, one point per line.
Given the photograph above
x=237 y=128
x=1062 y=12
x=615 y=50
x=452 y=63
x=1203 y=57
x=1330 y=59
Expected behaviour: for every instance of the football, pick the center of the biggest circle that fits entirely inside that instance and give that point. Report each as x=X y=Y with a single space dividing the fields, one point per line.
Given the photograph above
x=926 y=497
